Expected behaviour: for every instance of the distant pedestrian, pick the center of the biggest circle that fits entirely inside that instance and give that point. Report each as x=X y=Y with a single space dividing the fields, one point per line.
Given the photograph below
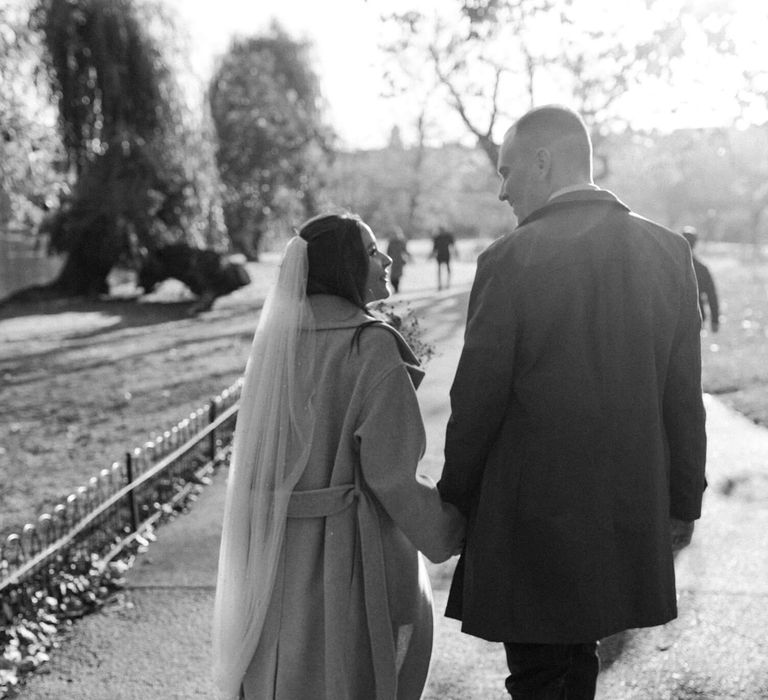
x=397 y=249
x=444 y=244
x=707 y=291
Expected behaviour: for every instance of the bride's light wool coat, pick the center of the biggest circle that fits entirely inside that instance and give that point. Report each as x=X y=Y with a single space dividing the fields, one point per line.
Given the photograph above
x=351 y=613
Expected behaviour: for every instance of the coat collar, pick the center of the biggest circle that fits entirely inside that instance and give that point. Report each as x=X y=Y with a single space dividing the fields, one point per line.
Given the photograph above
x=332 y=312
x=411 y=362
x=573 y=199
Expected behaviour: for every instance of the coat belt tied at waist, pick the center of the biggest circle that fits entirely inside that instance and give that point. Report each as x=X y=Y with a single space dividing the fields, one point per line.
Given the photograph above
x=331 y=503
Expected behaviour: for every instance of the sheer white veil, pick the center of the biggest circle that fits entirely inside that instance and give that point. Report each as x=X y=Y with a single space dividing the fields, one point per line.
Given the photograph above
x=271 y=449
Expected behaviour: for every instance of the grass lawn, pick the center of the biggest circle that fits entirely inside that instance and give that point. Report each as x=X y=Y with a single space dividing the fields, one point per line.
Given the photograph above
x=735 y=360
x=81 y=383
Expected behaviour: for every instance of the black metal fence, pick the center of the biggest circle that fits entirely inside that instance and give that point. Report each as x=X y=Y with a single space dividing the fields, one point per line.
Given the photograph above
x=100 y=518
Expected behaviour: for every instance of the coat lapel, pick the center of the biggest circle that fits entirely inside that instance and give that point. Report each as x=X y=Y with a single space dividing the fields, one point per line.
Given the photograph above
x=333 y=312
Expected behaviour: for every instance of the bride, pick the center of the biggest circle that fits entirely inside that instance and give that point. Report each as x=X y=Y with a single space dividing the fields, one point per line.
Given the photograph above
x=321 y=592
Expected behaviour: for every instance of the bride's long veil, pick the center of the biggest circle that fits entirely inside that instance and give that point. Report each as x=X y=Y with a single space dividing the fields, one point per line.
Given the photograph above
x=271 y=449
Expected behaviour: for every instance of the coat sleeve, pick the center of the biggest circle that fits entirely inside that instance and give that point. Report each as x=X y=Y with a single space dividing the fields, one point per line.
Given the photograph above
x=391 y=442
x=482 y=386
x=684 y=415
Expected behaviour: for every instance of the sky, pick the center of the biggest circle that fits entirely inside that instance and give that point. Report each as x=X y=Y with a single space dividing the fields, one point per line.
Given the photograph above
x=345 y=35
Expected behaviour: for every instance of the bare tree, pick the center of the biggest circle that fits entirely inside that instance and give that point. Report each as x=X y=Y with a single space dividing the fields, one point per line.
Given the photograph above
x=488 y=59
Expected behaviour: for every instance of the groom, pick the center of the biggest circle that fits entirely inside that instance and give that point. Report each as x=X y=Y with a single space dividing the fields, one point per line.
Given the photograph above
x=576 y=442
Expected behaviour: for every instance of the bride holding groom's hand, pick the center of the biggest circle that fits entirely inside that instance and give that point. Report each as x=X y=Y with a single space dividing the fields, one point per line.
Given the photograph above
x=321 y=592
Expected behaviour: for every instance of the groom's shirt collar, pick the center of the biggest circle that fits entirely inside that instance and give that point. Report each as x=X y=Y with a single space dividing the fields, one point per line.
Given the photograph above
x=572 y=188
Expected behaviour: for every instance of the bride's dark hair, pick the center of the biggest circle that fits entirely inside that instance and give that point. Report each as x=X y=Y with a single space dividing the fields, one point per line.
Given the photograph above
x=338 y=263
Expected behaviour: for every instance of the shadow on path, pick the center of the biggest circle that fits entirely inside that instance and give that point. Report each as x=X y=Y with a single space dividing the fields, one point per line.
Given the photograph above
x=86 y=335
x=129 y=312
x=443 y=314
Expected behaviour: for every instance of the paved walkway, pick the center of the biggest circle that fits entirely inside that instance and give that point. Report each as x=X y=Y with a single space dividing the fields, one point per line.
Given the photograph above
x=153 y=642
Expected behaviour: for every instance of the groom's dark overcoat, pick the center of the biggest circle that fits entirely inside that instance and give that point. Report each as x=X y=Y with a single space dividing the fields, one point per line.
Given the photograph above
x=577 y=425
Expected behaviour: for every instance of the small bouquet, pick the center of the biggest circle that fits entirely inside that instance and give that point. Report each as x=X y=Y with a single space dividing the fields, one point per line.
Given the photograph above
x=403 y=319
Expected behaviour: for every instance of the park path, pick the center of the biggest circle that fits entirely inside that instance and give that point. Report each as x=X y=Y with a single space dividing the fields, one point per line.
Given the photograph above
x=152 y=641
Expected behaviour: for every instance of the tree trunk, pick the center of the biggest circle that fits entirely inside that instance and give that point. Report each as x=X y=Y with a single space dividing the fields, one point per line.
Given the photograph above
x=756 y=216
x=490 y=148
x=87 y=266
x=76 y=279
x=418 y=161
x=80 y=278
x=243 y=230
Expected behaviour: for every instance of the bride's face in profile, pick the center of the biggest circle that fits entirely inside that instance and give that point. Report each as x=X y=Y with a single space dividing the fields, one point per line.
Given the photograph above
x=376 y=286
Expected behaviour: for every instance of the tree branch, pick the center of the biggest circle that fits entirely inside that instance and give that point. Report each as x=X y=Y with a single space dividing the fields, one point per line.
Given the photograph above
x=484 y=138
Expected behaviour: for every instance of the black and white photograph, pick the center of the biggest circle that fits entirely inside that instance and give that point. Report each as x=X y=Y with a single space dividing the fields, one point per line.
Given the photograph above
x=383 y=350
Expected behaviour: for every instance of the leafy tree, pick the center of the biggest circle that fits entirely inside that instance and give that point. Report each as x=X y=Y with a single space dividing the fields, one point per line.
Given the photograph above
x=728 y=179
x=30 y=150
x=272 y=144
x=714 y=179
x=746 y=149
x=123 y=129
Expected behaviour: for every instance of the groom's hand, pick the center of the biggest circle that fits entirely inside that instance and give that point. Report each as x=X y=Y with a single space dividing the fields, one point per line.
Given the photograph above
x=681 y=532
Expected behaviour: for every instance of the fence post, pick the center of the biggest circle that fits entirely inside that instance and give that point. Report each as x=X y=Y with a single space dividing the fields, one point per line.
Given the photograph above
x=132 y=505
x=212 y=435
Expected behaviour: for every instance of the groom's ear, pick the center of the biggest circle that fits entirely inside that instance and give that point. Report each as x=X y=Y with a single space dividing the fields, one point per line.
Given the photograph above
x=543 y=162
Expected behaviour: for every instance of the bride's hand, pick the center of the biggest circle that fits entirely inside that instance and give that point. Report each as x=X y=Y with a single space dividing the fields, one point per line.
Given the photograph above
x=458 y=533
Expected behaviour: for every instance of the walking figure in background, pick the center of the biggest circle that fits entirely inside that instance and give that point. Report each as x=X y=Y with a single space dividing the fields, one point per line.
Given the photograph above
x=707 y=291
x=576 y=442
x=397 y=249
x=321 y=592
x=443 y=245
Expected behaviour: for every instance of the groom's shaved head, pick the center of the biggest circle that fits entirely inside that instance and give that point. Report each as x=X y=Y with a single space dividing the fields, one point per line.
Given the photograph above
x=558 y=129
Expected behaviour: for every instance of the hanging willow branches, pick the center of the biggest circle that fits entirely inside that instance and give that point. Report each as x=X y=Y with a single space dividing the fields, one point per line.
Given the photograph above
x=109 y=78
x=122 y=125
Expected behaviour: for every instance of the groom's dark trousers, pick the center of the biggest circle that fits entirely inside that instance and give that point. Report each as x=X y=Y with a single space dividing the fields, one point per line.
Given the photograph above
x=552 y=671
